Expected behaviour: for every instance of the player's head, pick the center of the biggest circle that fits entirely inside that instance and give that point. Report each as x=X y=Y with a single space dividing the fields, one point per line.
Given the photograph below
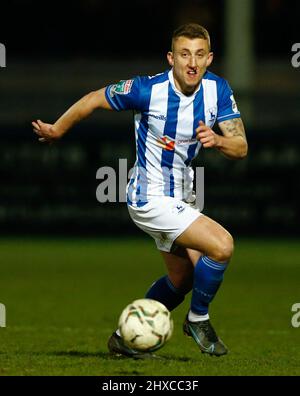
x=190 y=56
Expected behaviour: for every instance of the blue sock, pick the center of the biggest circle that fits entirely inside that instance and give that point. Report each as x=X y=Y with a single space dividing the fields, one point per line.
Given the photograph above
x=208 y=276
x=163 y=291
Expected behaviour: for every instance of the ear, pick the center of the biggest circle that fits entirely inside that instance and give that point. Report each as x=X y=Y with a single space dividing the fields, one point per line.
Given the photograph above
x=170 y=58
x=209 y=59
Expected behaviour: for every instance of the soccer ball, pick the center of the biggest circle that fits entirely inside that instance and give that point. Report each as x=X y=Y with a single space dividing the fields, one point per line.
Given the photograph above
x=145 y=325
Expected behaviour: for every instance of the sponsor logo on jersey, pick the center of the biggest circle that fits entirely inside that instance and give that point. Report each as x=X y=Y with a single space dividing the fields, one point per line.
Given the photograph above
x=160 y=117
x=123 y=87
x=166 y=143
x=169 y=144
x=186 y=141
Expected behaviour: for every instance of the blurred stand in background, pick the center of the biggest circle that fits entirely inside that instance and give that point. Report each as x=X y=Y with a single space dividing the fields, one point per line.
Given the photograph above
x=57 y=55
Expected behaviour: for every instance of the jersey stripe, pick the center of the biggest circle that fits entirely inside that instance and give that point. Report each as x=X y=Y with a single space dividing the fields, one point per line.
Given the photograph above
x=185 y=126
x=210 y=98
x=142 y=132
x=198 y=116
x=170 y=132
x=157 y=111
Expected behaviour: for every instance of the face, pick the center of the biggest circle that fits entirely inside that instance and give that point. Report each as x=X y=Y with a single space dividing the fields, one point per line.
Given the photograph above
x=189 y=59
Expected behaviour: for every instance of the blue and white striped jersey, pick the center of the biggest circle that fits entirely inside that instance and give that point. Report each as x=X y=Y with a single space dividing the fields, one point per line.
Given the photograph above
x=165 y=130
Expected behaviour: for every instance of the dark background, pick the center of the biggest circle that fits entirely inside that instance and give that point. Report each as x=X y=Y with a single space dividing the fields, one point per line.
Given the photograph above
x=59 y=51
x=99 y=29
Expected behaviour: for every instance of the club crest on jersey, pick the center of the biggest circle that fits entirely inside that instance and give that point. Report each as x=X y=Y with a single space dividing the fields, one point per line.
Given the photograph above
x=123 y=87
x=212 y=114
x=166 y=143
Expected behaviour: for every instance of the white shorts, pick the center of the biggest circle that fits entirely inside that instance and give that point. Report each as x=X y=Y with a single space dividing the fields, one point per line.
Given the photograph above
x=164 y=218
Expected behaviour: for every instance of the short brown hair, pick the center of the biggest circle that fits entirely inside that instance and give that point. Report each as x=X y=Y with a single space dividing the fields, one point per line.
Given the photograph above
x=191 y=31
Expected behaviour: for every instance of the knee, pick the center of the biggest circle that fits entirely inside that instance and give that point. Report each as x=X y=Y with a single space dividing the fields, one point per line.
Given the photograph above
x=224 y=249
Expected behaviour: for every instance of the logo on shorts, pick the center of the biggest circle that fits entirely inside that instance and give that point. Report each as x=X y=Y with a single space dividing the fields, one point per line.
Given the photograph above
x=178 y=208
x=123 y=87
x=166 y=143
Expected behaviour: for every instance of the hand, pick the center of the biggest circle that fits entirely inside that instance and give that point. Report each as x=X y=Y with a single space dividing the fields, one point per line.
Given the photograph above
x=46 y=132
x=207 y=136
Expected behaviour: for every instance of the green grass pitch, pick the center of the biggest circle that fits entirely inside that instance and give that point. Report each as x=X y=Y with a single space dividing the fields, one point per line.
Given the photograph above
x=63 y=298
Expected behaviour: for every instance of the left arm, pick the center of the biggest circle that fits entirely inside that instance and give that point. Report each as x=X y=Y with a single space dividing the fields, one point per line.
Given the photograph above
x=233 y=143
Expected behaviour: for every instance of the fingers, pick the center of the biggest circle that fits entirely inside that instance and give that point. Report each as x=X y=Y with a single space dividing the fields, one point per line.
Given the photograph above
x=202 y=127
x=205 y=135
x=38 y=129
x=206 y=142
x=35 y=125
x=207 y=145
x=203 y=131
x=206 y=139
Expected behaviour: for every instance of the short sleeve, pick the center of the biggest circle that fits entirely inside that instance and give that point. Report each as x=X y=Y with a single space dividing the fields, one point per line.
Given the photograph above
x=124 y=95
x=227 y=107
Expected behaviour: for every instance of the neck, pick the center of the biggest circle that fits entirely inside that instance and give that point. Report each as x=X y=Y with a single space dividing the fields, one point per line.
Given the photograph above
x=185 y=89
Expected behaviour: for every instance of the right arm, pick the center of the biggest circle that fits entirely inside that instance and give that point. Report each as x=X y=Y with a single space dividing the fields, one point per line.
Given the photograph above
x=83 y=108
